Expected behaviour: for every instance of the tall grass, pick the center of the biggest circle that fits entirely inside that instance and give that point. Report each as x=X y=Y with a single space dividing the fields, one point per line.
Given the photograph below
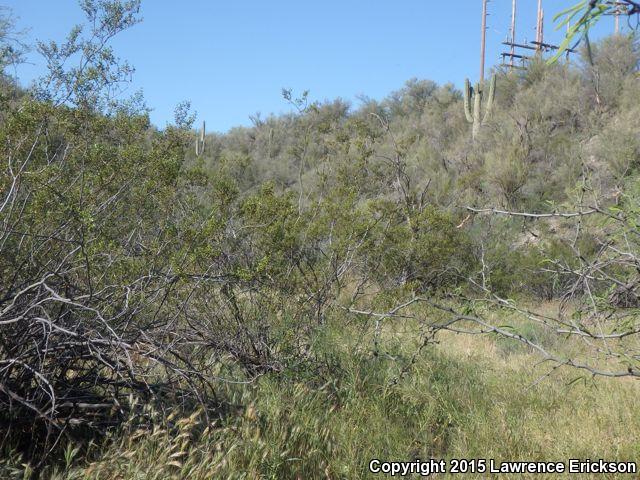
x=464 y=397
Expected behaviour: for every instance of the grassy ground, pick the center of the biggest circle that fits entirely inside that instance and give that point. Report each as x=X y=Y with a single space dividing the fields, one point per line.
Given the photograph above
x=468 y=396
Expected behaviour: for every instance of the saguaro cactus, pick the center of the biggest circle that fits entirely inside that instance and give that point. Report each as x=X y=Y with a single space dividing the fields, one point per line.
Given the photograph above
x=200 y=140
x=475 y=117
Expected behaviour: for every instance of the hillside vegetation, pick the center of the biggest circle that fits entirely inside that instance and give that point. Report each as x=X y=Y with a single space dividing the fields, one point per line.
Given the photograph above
x=322 y=288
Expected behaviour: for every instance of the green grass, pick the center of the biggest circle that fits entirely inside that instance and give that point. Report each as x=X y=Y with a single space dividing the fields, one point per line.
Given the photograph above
x=465 y=397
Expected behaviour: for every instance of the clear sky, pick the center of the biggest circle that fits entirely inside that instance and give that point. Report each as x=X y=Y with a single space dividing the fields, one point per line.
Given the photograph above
x=231 y=58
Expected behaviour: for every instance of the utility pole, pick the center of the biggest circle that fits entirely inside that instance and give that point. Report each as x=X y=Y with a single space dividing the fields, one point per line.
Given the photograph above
x=540 y=26
x=513 y=30
x=616 y=16
x=518 y=51
x=483 y=39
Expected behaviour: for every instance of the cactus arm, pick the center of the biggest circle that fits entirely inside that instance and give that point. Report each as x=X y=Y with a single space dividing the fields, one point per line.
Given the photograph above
x=200 y=140
x=477 y=106
x=489 y=99
x=467 y=100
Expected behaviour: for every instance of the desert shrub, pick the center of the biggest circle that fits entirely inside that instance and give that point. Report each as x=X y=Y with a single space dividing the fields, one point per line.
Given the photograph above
x=606 y=66
x=427 y=251
x=133 y=269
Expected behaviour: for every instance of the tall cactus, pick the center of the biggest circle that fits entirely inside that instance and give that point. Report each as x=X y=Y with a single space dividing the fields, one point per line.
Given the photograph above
x=475 y=118
x=200 y=140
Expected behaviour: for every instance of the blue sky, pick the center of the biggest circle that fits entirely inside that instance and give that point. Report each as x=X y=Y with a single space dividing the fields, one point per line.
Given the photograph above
x=231 y=59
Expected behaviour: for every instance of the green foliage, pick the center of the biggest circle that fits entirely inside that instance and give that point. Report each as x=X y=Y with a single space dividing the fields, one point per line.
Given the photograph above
x=333 y=418
x=427 y=252
x=12 y=48
x=277 y=257
x=608 y=65
x=579 y=19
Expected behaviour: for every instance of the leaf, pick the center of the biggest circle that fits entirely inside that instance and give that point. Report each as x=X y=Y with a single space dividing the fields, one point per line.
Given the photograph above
x=591 y=15
x=578 y=6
